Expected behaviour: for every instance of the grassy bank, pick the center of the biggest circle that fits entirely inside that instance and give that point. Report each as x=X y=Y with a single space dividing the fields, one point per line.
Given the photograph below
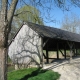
x=33 y=74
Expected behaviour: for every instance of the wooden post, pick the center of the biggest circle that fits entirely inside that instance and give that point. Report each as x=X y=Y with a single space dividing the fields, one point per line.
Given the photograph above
x=57 y=51
x=76 y=51
x=70 y=53
x=65 y=52
x=61 y=52
x=42 y=61
x=47 y=60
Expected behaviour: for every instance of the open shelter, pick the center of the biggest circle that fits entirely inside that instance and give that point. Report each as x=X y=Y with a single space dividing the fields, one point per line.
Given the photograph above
x=32 y=39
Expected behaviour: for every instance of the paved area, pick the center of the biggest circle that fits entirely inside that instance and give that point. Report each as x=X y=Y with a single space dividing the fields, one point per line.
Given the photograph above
x=68 y=70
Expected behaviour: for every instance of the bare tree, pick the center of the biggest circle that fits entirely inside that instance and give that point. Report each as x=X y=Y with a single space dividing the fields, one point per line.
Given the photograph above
x=6 y=16
x=71 y=23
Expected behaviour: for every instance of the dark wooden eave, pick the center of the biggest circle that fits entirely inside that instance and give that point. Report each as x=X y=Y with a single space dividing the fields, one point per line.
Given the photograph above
x=55 y=36
x=52 y=32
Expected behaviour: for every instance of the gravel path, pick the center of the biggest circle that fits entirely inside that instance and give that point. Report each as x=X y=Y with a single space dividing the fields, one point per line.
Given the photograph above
x=68 y=70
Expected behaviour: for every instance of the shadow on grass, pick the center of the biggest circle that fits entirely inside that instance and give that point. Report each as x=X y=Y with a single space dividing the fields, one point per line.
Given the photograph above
x=34 y=73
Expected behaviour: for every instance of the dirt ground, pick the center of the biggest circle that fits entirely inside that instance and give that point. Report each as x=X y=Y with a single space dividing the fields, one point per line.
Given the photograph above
x=68 y=70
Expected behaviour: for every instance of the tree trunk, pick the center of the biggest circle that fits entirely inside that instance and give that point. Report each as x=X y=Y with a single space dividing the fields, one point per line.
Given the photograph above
x=6 y=16
x=3 y=63
x=3 y=49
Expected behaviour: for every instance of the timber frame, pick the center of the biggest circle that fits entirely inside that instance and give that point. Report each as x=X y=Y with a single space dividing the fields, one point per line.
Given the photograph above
x=59 y=45
x=53 y=39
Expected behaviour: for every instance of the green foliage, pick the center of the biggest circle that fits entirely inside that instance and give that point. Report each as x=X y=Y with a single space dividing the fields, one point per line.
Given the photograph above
x=29 y=13
x=33 y=74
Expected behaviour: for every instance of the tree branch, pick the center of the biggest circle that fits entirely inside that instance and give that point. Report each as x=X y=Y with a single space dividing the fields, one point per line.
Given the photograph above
x=11 y=11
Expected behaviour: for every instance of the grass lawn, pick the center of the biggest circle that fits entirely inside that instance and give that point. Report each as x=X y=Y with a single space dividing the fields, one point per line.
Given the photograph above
x=33 y=74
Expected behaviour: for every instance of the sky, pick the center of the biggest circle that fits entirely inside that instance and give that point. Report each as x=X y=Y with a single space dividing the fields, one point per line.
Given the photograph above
x=59 y=15
x=56 y=14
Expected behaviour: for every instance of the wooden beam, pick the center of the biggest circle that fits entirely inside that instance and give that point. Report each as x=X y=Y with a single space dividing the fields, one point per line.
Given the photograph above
x=42 y=57
x=45 y=42
x=65 y=51
x=61 y=52
x=47 y=59
x=76 y=51
x=57 y=51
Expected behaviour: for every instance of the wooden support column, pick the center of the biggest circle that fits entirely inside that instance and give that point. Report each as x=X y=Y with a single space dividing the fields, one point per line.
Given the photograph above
x=65 y=52
x=70 y=53
x=57 y=51
x=76 y=51
x=47 y=56
x=42 y=57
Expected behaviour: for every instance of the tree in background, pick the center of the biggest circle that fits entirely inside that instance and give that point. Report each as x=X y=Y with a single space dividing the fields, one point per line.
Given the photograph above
x=8 y=8
x=71 y=23
x=25 y=13
x=29 y=13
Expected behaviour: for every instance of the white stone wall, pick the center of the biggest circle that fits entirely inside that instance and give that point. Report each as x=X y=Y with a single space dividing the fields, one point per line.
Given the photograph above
x=26 y=47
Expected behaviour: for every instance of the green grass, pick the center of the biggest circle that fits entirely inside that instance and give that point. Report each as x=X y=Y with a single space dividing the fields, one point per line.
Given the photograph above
x=33 y=74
